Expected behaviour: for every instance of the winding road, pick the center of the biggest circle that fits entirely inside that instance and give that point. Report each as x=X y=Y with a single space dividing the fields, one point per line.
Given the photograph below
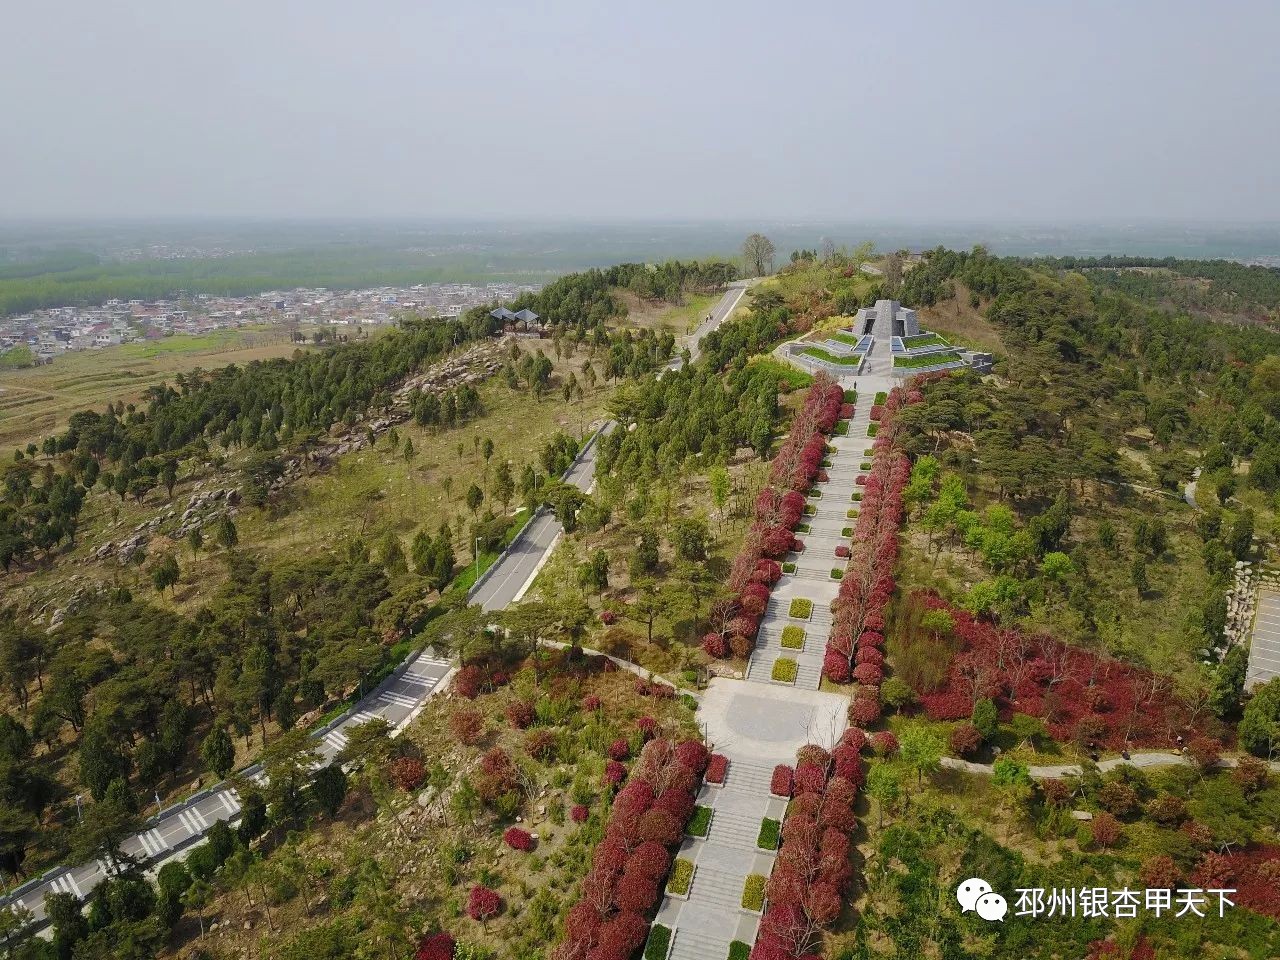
x=398 y=699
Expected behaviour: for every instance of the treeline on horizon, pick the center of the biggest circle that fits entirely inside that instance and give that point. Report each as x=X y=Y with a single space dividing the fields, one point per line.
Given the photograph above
x=74 y=278
x=1232 y=284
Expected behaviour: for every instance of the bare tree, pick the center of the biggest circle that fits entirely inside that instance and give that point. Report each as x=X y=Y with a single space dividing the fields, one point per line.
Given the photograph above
x=757 y=254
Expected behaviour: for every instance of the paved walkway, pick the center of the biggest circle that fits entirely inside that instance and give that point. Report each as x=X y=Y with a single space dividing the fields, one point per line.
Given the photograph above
x=1058 y=771
x=1264 y=648
x=756 y=726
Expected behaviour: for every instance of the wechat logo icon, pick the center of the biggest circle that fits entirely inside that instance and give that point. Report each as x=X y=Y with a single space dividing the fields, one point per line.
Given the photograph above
x=976 y=894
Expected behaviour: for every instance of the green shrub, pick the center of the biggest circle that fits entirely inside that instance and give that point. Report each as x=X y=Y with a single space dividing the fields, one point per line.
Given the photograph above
x=793 y=638
x=814 y=494
x=739 y=950
x=769 y=831
x=753 y=892
x=800 y=608
x=865 y=465
x=810 y=509
x=658 y=944
x=841 y=430
x=851 y=515
x=836 y=573
x=851 y=396
x=873 y=429
x=700 y=822
x=857 y=495
x=848 y=531
x=802 y=528
x=788 y=567
x=784 y=670
x=681 y=876
x=881 y=396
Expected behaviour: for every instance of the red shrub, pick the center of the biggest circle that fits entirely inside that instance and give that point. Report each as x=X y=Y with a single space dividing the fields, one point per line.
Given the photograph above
x=884 y=743
x=678 y=803
x=835 y=666
x=768 y=572
x=591 y=703
x=518 y=839
x=854 y=738
x=483 y=903
x=467 y=726
x=751 y=605
x=965 y=739
x=868 y=674
x=843 y=552
x=781 y=783
x=660 y=826
x=620 y=749
x=579 y=813
x=435 y=946
x=407 y=773
x=625 y=932
x=651 y=860
x=608 y=617
x=520 y=714
x=1205 y=751
x=717 y=768
x=864 y=711
x=809 y=778
x=715 y=645
x=692 y=755
x=1106 y=830
x=648 y=727
x=540 y=744
x=468 y=681
x=1213 y=872
x=614 y=773
x=847 y=763
x=1160 y=871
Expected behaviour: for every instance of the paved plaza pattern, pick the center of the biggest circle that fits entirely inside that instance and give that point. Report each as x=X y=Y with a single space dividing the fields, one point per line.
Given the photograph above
x=1264 y=649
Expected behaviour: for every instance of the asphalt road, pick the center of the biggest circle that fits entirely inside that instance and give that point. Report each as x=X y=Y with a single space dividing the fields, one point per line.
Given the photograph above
x=395 y=700
x=181 y=826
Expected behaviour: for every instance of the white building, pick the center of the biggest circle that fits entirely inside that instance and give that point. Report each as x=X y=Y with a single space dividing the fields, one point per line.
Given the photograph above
x=887 y=319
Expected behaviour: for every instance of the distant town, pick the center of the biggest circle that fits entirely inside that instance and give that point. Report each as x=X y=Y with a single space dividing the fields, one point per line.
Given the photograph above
x=50 y=333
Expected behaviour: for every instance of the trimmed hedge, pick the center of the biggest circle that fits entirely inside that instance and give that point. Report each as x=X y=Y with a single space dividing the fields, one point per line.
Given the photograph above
x=738 y=950
x=857 y=495
x=848 y=531
x=681 y=877
x=851 y=515
x=881 y=396
x=700 y=822
x=810 y=510
x=717 y=768
x=800 y=609
x=837 y=573
x=788 y=567
x=753 y=892
x=659 y=943
x=865 y=465
x=770 y=830
x=793 y=638
x=784 y=670
x=873 y=429
x=841 y=429
x=802 y=528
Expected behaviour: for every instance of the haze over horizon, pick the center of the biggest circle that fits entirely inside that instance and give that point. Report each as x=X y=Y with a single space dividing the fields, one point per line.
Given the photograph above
x=994 y=111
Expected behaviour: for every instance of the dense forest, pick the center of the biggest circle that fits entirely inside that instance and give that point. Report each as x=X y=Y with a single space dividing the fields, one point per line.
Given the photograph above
x=1229 y=285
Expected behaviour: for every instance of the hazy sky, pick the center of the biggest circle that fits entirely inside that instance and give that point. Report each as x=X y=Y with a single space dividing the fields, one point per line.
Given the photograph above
x=1018 y=110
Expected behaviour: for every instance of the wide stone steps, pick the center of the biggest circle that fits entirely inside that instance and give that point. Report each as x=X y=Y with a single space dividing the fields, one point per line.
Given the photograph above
x=719 y=888
x=808 y=674
x=692 y=944
x=748 y=777
x=730 y=829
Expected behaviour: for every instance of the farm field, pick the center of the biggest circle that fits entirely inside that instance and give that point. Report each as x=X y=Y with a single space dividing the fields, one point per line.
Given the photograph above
x=37 y=400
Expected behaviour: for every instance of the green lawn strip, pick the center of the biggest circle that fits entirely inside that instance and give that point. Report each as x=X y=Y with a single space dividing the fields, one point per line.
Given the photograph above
x=659 y=943
x=753 y=892
x=881 y=396
x=821 y=354
x=923 y=340
x=927 y=360
x=681 y=877
x=700 y=822
x=793 y=638
x=768 y=836
x=800 y=608
x=873 y=429
x=784 y=670
x=841 y=430
x=848 y=338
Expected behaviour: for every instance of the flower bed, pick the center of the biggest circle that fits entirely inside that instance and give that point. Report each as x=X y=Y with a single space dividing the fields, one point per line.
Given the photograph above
x=793 y=638
x=770 y=830
x=659 y=943
x=629 y=866
x=681 y=877
x=700 y=822
x=784 y=670
x=753 y=892
x=800 y=609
